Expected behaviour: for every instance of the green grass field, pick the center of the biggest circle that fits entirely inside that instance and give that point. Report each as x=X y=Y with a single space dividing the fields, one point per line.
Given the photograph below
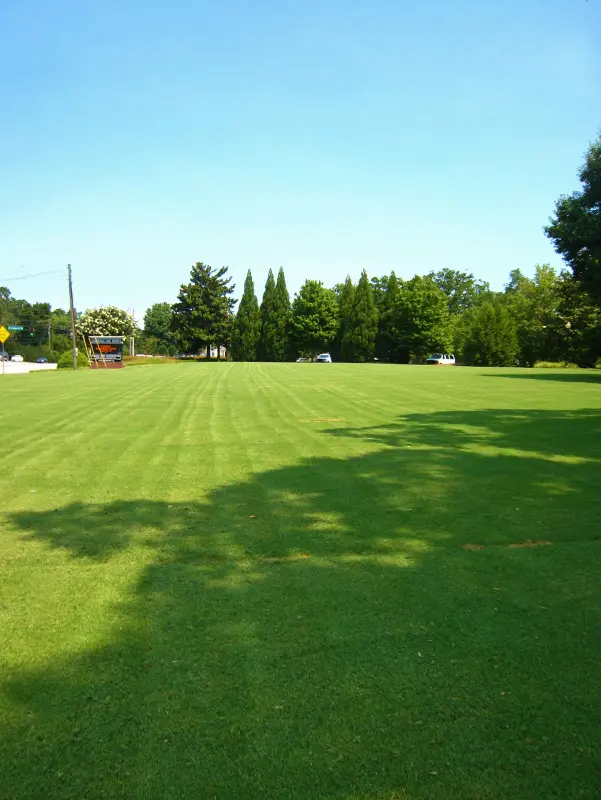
x=300 y=581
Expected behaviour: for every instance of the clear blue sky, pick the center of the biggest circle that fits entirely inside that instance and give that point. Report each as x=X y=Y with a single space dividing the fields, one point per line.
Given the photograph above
x=321 y=135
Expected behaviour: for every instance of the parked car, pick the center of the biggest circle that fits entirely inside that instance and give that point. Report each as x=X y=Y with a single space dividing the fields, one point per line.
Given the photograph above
x=17 y=358
x=4 y=357
x=441 y=359
x=41 y=360
x=324 y=358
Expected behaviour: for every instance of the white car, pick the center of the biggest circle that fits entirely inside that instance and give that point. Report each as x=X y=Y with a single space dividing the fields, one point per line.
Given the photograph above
x=441 y=359
x=17 y=358
x=323 y=358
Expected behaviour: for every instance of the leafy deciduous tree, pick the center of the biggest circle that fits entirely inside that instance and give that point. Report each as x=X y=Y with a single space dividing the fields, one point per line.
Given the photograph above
x=387 y=296
x=576 y=227
x=314 y=317
x=533 y=304
x=105 y=321
x=461 y=289
x=157 y=322
x=422 y=320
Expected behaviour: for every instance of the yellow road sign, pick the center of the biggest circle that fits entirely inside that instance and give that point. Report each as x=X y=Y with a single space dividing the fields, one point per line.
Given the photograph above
x=4 y=334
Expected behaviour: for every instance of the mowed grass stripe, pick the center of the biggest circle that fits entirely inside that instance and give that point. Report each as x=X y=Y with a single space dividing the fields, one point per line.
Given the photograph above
x=259 y=601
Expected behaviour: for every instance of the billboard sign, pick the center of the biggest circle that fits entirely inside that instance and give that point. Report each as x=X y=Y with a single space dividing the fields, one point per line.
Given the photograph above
x=106 y=350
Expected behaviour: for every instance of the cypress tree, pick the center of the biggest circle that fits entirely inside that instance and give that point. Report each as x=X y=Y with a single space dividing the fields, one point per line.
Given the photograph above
x=359 y=338
x=268 y=306
x=247 y=325
x=280 y=326
x=345 y=303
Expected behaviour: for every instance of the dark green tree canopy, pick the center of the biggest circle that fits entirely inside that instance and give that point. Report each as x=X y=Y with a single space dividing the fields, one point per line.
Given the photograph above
x=202 y=315
x=387 y=296
x=359 y=338
x=461 y=288
x=314 y=318
x=575 y=230
x=422 y=320
x=247 y=324
x=268 y=305
x=279 y=324
x=345 y=293
x=533 y=305
x=490 y=337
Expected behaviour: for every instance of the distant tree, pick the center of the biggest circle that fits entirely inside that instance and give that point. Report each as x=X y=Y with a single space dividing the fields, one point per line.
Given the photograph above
x=147 y=345
x=490 y=336
x=247 y=324
x=268 y=337
x=60 y=326
x=105 y=321
x=162 y=350
x=575 y=230
x=314 y=317
x=578 y=322
x=422 y=320
x=345 y=293
x=359 y=338
x=461 y=289
x=281 y=319
x=533 y=304
x=157 y=323
x=387 y=295
x=202 y=315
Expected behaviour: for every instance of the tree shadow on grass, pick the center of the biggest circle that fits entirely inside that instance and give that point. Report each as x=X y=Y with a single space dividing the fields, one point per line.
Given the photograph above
x=319 y=631
x=567 y=376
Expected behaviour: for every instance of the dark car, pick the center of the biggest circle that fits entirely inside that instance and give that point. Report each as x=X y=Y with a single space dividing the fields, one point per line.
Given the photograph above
x=41 y=360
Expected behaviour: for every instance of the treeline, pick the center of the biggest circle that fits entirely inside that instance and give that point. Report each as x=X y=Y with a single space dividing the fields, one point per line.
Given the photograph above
x=45 y=331
x=550 y=317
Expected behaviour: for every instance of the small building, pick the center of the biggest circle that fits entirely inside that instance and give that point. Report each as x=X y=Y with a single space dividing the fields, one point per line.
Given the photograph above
x=213 y=352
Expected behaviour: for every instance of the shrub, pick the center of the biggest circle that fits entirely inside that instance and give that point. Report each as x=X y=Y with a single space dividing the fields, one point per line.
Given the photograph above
x=549 y=364
x=66 y=360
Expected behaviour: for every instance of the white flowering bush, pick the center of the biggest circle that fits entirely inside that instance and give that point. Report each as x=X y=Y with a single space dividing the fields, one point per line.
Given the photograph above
x=105 y=321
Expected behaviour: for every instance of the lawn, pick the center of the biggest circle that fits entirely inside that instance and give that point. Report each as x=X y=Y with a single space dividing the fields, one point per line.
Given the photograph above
x=300 y=581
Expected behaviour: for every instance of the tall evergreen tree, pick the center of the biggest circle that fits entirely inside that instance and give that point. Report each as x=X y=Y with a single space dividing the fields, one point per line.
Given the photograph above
x=247 y=324
x=268 y=306
x=359 y=338
x=346 y=295
x=314 y=318
x=279 y=327
x=202 y=315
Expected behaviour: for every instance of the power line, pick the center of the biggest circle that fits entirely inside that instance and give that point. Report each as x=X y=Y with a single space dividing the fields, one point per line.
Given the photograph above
x=32 y=275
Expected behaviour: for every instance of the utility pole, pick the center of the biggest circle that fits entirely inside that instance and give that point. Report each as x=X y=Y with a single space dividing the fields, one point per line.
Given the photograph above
x=72 y=317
